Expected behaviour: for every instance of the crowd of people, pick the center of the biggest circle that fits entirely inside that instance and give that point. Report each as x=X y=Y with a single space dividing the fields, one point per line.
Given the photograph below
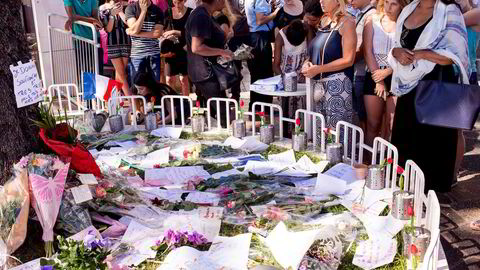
x=364 y=58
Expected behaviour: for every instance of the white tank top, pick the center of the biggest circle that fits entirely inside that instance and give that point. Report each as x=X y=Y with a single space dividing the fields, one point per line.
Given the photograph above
x=382 y=42
x=292 y=56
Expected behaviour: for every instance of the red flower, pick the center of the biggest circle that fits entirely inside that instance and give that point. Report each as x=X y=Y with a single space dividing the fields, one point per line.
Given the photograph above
x=231 y=204
x=153 y=99
x=100 y=192
x=186 y=153
x=157 y=166
x=399 y=170
x=410 y=211
x=198 y=104
x=297 y=121
x=327 y=131
x=261 y=114
x=121 y=104
x=390 y=160
x=413 y=249
x=60 y=132
x=242 y=103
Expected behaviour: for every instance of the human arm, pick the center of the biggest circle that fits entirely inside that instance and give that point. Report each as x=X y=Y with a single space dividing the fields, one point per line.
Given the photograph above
x=72 y=17
x=277 y=54
x=135 y=24
x=169 y=33
x=262 y=8
x=432 y=56
x=472 y=19
x=198 y=47
x=403 y=56
x=156 y=33
x=349 y=46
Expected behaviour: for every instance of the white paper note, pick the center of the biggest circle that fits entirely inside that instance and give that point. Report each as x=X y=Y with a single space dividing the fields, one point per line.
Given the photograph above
x=190 y=223
x=174 y=176
x=173 y=195
x=327 y=184
x=381 y=226
x=81 y=194
x=374 y=253
x=226 y=173
x=31 y=265
x=230 y=252
x=81 y=235
x=342 y=171
x=87 y=179
x=167 y=132
x=181 y=258
x=26 y=84
x=288 y=248
x=210 y=212
x=112 y=161
x=287 y=158
x=248 y=144
x=203 y=198
x=127 y=144
x=306 y=164
x=156 y=157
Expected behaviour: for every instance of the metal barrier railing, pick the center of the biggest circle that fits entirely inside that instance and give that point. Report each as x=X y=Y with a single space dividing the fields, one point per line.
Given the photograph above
x=171 y=98
x=273 y=108
x=217 y=101
x=112 y=103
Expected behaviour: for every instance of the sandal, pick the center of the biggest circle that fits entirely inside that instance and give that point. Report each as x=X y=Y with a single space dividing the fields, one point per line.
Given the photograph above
x=475 y=225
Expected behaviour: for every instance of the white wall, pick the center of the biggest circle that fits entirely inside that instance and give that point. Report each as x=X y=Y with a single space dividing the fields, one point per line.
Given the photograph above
x=41 y=8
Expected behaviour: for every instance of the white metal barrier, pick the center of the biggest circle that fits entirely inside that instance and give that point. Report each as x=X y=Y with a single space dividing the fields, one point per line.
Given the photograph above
x=315 y=117
x=217 y=102
x=414 y=182
x=112 y=103
x=380 y=147
x=432 y=223
x=65 y=47
x=272 y=107
x=171 y=99
x=346 y=129
x=73 y=98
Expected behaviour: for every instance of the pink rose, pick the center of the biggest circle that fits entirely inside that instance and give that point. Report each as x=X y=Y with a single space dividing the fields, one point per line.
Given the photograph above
x=100 y=192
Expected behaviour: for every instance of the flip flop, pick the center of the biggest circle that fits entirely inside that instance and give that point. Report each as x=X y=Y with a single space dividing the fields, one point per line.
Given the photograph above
x=475 y=225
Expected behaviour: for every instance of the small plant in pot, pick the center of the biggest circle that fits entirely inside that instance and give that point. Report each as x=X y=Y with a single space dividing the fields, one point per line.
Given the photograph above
x=334 y=150
x=198 y=119
x=402 y=200
x=239 y=128
x=116 y=121
x=415 y=241
x=267 y=132
x=299 y=138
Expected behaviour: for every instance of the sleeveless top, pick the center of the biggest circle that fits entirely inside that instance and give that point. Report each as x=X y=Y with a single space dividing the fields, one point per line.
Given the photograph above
x=292 y=56
x=179 y=24
x=382 y=41
x=333 y=51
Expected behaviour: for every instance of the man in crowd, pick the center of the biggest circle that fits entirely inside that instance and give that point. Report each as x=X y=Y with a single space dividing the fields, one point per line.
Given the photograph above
x=145 y=26
x=363 y=10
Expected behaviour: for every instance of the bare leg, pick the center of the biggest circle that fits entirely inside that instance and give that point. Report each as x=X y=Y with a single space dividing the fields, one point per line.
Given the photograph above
x=391 y=103
x=121 y=75
x=185 y=85
x=171 y=81
x=374 y=106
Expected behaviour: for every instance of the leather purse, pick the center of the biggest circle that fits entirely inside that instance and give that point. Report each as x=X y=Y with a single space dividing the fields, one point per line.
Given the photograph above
x=448 y=105
x=228 y=75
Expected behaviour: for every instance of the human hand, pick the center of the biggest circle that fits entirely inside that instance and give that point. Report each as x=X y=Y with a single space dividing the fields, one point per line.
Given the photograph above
x=144 y=4
x=97 y=24
x=68 y=24
x=310 y=71
x=276 y=11
x=403 y=56
x=129 y=31
x=117 y=8
x=307 y=64
x=227 y=54
x=380 y=90
x=380 y=74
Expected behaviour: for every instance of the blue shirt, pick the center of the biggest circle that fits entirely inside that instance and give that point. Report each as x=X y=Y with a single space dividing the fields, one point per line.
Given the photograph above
x=472 y=50
x=82 y=8
x=257 y=6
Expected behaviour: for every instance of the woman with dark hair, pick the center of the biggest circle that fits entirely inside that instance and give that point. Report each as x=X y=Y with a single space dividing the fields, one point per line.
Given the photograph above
x=430 y=39
x=312 y=15
x=205 y=43
x=146 y=86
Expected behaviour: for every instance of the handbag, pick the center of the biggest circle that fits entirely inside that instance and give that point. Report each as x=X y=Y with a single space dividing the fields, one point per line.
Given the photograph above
x=228 y=75
x=448 y=105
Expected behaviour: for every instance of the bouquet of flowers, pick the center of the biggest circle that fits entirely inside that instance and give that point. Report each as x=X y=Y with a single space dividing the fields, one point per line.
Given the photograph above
x=47 y=176
x=175 y=239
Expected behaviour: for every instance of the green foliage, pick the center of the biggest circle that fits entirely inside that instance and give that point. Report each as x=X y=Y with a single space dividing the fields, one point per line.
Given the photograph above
x=75 y=256
x=9 y=213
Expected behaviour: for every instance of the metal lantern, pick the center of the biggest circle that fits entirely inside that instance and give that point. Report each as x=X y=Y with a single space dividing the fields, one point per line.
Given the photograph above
x=116 y=123
x=418 y=236
x=89 y=117
x=334 y=152
x=375 y=177
x=99 y=121
x=267 y=134
x=239 y=128
x=198 y=123
x=151 y=121
x=401 y=201
x=290 y=81
x=299 y=141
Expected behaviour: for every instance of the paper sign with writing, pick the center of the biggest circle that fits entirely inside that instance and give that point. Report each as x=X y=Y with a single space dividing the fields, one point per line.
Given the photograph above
x=31 y=265
x=26 y=84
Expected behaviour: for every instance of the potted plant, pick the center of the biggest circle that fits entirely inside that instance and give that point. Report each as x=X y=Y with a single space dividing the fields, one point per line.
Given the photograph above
x=198 y=119
x=267 y=132
x=116 y=121
x=415 y=241
x=334 y=150
x=376 y=175
x=402 y=200
x=299 y=138
x=239 y=128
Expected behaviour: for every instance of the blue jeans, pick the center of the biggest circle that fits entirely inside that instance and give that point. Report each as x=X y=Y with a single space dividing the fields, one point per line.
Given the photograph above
x=146 y=64
x=358 y=103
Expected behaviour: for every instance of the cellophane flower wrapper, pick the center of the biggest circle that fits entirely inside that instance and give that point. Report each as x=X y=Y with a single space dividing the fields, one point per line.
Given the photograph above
x=47 y=176
x=115 y=192
x=14 y=207
x=73 y=217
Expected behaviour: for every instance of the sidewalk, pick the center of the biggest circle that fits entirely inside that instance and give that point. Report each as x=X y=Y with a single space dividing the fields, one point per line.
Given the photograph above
x=462 y=244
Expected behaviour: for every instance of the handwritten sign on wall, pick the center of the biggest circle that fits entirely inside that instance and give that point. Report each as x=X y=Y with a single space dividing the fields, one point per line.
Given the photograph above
x=26 y=83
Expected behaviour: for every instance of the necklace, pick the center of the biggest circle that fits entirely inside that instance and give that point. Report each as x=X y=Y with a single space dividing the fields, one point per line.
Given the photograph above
x=82 y=1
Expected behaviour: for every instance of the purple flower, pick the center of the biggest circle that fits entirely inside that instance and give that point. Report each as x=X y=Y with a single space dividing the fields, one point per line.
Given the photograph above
x=169 y=235
x=91 y=242
x=197 y=239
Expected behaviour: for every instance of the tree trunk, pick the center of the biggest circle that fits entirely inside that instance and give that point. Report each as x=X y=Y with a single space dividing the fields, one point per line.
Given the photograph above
x=18 y=136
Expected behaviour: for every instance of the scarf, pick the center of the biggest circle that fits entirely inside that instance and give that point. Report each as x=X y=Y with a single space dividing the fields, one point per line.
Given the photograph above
x=445 y=34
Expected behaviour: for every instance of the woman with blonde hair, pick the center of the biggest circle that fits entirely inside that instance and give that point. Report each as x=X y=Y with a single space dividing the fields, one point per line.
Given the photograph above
x=379 y=103
x=332 y=54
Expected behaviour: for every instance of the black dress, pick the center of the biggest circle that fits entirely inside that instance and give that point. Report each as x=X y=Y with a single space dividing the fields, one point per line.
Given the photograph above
x=432 y=148
x=178 y=64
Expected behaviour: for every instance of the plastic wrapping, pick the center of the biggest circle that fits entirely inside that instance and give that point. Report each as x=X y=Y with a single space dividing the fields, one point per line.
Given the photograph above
x=14 y=207
x=73 y=217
